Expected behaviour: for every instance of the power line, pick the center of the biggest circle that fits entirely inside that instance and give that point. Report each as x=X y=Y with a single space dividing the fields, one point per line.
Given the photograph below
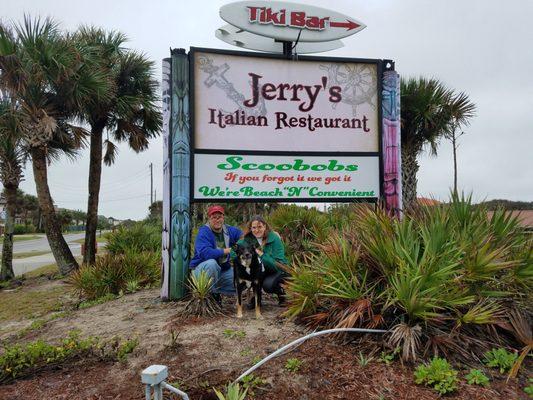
x=83 y=191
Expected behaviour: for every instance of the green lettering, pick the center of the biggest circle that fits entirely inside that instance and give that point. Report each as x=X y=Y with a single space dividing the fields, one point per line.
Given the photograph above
x=233 y=163
x=250 y=166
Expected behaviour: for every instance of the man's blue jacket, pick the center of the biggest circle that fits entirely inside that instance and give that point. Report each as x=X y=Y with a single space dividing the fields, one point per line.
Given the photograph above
x=205 y=245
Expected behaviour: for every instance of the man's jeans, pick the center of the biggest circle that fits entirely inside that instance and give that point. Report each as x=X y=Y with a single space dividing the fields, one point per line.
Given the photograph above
x=223 y=280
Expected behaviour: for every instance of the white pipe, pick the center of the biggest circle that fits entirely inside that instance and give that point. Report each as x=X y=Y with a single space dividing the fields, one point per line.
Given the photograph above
x=174 y=390
x=302 y=339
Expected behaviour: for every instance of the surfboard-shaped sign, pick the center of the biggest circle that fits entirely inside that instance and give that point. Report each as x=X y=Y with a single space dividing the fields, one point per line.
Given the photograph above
x=289 y=21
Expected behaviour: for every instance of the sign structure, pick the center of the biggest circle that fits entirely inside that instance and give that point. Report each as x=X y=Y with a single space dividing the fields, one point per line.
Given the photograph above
x=266 y=128
x=289 y=21
x=274 y=127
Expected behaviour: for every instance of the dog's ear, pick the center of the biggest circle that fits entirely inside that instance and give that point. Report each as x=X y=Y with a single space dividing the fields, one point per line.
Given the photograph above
x=235 y=247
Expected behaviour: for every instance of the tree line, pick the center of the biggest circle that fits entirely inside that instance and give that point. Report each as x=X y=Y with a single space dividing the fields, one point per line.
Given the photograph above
x=28 y=214
x=61 y=92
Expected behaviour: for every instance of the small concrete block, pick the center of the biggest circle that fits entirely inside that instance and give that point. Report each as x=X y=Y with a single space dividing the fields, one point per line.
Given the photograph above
x=154 y=374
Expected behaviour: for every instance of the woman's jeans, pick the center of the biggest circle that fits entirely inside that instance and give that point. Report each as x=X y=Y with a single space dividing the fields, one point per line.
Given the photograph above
x=223 y=280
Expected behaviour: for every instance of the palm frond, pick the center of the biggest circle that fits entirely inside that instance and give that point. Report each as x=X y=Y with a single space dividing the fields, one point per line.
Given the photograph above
x=110 y=152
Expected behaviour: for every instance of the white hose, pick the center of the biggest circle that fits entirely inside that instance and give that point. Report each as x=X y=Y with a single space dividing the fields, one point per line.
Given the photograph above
x=174 y=390
x=302 y=339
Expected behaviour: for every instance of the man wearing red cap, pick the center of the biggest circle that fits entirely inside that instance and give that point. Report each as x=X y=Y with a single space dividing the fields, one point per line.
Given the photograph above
x=212 y=249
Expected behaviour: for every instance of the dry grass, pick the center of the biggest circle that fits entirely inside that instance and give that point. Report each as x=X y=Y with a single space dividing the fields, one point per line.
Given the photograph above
x=30 y=254
x=47 y=270
x=31 y=302
x=21 y=238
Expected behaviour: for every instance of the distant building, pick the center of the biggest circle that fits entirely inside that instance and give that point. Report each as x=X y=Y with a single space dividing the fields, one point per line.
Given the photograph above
x=424 y=201
x=525 y=218
x=114 y=222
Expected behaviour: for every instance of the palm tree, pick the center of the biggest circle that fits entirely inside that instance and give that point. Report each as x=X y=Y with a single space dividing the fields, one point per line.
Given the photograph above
x=12 y=160
x=130 y=114
x=461 y=109
x=424 y=120
x=51 y=77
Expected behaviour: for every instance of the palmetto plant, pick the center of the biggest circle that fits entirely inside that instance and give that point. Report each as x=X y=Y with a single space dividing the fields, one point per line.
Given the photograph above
x=304 y=286
x=201 y=302
x=435 y=278
x=233 y=392
x=129 y=113
x=50 y=77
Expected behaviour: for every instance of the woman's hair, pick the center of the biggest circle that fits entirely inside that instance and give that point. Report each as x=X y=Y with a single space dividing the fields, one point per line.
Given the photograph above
x=258 y=218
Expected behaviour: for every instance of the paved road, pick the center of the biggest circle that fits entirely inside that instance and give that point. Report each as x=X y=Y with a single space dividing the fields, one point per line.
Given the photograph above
x=41 y=244
x=24 y=265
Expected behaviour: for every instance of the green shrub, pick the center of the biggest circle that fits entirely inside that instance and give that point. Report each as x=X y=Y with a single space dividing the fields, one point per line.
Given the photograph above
x=388 y=358
x=141 y=237
x=303 y=287
x=233 y=392
x=529 y=388
x=21 y=229
x=293 y=364
x=500 y=358
x=477 y=377
x=250 y=382
x=18 y=360
x=115 y=274
x=438 y=374
x=438 y=270
x=363 y=361
x=125 y=348
x=299 y=228
x=233 y=334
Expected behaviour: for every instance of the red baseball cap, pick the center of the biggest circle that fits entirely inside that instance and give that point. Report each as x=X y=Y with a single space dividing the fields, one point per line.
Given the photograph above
x=214 y=209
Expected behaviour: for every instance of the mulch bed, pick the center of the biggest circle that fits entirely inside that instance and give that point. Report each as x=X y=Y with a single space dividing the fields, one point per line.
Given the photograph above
x=329 y=370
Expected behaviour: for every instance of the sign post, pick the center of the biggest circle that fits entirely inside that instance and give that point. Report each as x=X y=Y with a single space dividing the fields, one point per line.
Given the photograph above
x=272 y=127
x=177 y=221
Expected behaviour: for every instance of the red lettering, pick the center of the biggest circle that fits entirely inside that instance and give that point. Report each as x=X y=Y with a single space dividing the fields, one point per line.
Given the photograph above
x=252 y=13
x=313 y=23
x=298 y=18
x=272 y=17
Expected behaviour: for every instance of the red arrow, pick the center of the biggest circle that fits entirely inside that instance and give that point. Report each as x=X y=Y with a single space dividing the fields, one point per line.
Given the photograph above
x=349 y=25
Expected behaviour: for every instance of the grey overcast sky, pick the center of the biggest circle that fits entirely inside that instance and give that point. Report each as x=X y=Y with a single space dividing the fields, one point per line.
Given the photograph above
x=482 y=47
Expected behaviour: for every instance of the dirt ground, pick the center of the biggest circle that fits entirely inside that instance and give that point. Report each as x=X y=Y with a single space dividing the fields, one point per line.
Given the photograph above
x=203 y=353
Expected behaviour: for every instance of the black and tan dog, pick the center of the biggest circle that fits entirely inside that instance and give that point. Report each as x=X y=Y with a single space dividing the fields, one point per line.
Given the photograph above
x=247 y=268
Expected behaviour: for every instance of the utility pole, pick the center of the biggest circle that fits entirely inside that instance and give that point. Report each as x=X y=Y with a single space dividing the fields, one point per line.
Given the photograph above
x=151 y=184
